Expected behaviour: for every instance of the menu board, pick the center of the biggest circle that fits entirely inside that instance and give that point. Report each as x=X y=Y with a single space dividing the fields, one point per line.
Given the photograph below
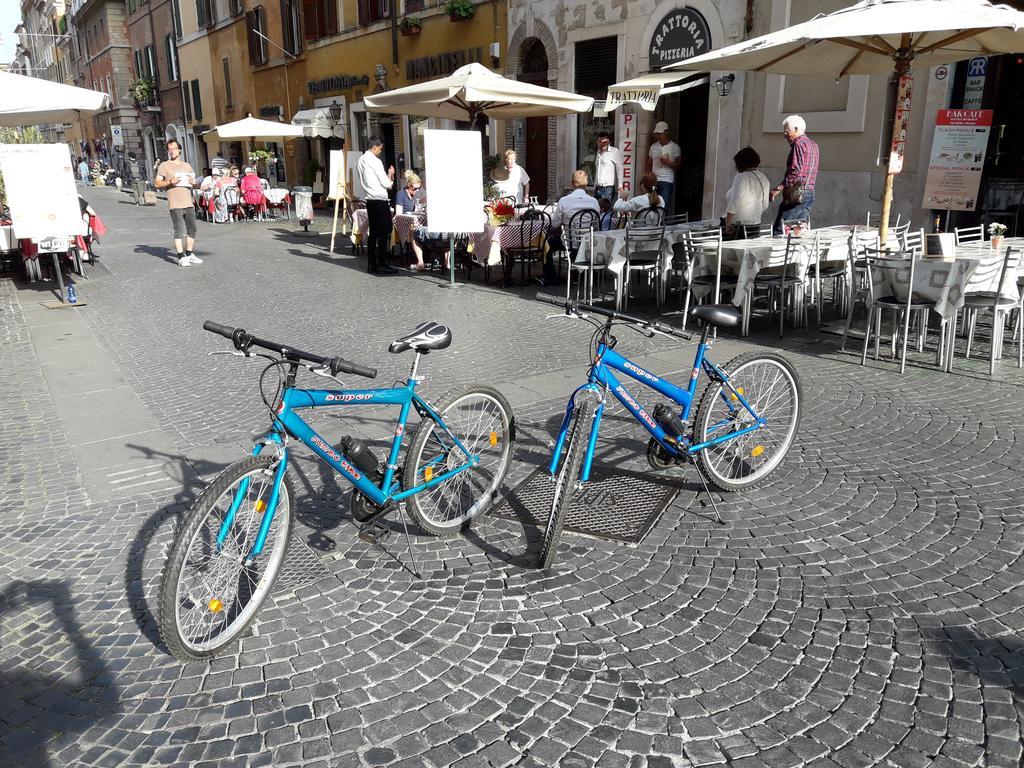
x=41 y=190
x=957 y=159
x=454 y=165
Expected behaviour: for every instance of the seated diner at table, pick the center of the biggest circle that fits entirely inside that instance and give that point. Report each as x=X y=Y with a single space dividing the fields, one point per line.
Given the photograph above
x=405 y=199
x=567 y=205
x=648 y=197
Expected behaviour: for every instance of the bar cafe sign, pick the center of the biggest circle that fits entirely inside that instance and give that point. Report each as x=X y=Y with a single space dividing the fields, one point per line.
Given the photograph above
x=682 y=34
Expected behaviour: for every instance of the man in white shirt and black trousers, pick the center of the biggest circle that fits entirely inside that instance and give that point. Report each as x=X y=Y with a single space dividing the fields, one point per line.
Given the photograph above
x=376 y=184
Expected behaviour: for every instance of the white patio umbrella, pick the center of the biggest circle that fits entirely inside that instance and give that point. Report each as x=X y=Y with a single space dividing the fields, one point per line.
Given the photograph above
x=254 y=129
x=34 y=101
x=876 y=37
x=473 y=89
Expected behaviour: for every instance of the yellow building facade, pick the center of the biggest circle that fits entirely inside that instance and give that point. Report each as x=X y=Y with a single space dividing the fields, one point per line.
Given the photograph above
x=344 y=54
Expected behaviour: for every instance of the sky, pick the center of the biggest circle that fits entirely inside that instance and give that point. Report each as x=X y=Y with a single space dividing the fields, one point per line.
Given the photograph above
x=10 y=17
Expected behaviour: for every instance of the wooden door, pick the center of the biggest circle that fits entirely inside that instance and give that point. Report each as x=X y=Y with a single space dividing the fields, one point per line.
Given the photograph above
x=537 y=156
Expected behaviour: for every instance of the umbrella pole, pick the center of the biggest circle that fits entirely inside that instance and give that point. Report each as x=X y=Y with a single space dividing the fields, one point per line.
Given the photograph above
x=903 y=58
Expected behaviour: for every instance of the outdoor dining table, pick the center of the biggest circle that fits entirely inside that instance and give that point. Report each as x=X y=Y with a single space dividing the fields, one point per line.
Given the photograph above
x=976 y=268
x=487 y=246
x=404 y=226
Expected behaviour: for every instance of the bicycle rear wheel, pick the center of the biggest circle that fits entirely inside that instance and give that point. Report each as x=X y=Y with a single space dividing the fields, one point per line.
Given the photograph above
x=771 y=387
x=209 y=596
x=565 y=481
x=481 y=418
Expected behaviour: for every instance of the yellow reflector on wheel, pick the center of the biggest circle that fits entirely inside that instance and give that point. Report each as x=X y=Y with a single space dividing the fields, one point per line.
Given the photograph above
x=260 y=505
x=494 y=438
x=215 y=605
x=428 y=473
x=758 y=450
x=732 y=395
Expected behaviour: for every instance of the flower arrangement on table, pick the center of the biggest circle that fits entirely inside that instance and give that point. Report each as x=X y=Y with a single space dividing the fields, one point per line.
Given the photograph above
x=500 y=212
x=996 y=231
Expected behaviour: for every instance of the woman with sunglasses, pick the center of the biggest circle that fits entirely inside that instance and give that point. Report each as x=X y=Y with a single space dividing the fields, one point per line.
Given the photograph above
x=406 y=197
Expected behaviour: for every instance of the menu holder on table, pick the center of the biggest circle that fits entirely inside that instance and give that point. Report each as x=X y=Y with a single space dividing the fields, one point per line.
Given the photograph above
x=941 y=245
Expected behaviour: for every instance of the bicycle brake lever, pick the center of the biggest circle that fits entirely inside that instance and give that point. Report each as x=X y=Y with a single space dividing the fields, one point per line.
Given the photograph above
x=323 y=371
x=232 y=352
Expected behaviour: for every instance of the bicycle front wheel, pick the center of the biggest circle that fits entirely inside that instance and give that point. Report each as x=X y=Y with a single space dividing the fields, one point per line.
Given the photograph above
x=565 y=481
x=481 y=418
x=209 y=595
x=771 y=387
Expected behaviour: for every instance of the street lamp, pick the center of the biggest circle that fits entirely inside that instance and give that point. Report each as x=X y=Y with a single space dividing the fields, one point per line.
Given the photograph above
x=724 y=87
x=335 y=111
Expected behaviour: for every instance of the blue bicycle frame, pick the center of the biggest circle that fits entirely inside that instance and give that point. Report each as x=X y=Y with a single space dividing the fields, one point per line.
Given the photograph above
x=288 y=423
x=602 y=380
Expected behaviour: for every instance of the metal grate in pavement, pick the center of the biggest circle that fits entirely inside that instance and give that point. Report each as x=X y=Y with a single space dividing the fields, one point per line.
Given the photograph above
x=614 y=504
x=301 y=567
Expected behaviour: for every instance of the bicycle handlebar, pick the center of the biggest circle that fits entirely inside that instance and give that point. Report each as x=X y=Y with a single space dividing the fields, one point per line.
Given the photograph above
x=243 y=340
x=571 y=306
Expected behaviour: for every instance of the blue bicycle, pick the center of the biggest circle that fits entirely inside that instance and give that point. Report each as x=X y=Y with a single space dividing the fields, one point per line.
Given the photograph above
x=229 y=549
x=744 y=425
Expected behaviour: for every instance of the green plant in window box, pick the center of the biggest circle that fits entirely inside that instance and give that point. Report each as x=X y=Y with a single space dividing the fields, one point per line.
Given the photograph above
x=459 y=10
x=143 y=91
x=411 y=25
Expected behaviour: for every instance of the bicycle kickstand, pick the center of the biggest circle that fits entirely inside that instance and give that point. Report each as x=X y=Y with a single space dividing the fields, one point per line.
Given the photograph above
x=408 y=543
x=707 y=490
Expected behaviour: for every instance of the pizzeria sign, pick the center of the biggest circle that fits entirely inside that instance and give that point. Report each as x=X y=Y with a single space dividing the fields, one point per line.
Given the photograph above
x=681 y=35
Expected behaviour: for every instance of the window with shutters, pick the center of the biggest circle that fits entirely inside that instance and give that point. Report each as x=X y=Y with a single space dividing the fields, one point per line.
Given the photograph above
x=197 y=102
x=596 y=64
x=202 y=14
x=371 y=11
x=139 y=71
x=235 y=7
x=291 y=28
x=151 y=69
x=172 y=58
x=187 y=103
x=319 y=18
x=228 y=100
x=254 y=24
x=176 y=14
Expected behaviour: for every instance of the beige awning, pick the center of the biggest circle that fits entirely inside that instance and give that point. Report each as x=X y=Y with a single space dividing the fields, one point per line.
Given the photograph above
x=647 y=89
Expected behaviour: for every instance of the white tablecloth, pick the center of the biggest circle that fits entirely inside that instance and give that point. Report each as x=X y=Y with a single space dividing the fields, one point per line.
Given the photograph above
x=975 y=269
x=609 y=245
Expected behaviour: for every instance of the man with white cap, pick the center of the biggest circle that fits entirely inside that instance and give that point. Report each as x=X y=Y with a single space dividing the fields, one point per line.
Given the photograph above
x=664 y=158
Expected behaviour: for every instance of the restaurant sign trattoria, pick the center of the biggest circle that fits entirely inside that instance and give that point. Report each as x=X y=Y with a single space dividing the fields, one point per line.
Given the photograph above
x=442 y=64
x=645 y=96
x=682 y=34
x=336 y=83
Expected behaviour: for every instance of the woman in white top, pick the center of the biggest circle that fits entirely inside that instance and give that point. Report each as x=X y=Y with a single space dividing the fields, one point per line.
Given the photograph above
x=747 y=198
x=648 y=198
x=516 y=183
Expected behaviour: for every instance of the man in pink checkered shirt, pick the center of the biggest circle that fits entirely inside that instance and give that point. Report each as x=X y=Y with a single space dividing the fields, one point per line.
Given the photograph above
x=801 y=167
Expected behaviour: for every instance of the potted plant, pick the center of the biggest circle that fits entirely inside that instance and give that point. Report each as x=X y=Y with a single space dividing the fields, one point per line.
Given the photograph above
x=143 y=92
x=997 y=231
x=257 y=155
x=459 y=10
x=410 y=25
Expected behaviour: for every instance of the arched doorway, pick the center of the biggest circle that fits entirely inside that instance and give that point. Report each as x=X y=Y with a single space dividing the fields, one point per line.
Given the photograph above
x=533 y=68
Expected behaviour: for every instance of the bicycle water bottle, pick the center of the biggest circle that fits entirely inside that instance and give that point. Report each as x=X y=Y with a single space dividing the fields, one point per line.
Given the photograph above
x=669 y=421
x=72 y=296
x=359 y=453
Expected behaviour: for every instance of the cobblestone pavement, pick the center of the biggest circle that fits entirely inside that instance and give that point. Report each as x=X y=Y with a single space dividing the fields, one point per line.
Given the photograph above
x=863 y=609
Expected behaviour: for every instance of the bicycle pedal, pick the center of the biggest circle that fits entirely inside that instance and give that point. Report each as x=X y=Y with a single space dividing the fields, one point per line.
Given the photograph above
x=374 y=533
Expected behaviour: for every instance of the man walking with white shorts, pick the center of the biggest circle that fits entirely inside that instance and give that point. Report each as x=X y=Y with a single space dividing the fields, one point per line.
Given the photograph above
x=178 y=178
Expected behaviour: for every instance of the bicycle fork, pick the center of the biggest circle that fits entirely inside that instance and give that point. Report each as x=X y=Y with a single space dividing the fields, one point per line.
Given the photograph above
x=269 y=506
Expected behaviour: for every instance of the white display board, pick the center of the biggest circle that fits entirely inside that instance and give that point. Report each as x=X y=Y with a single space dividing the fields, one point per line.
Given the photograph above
x=454 y=166
x=357 y=187
x=41 y=190
x=337 y=176
x=957 y=160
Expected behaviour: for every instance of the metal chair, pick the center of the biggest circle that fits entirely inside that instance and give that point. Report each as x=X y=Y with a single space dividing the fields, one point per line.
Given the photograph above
x=875 y=220
x=1000 y=305
x=580 y=229
x=900 y=267
x=705 y=247
x=969 y=234
x=533 y=229
x=862 y=242
x=643 y=252
x=677 y=218
x=782 y=281
x=649 y=217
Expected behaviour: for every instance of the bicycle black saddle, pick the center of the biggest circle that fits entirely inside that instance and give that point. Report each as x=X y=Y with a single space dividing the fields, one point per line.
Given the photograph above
x=425 y=337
